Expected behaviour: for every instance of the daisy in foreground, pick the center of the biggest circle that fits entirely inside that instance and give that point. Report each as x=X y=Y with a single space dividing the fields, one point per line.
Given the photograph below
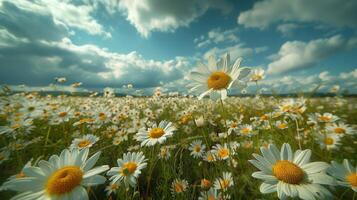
x=345 y=174
x=129 y=168
x=61 y=177
x=291 y=174
x=217 y=77
x=156 y=134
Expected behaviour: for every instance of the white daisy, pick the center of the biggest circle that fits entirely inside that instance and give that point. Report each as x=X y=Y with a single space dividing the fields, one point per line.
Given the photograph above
x=179 y=186
x=291 y=174
x=257 y=75
x=61 y=177
x=156 y=134
x=340 y=129
x=224 y=182
x=197 y=148
x=129 y=168
x=222 y=152
x=326 y=117
x=112 y=188
x=329 y=141
x=86 y=141
x=345 y=174
x=217 y=77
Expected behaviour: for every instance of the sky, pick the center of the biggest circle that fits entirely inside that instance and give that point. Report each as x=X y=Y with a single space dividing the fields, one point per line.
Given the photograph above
x=156 y=43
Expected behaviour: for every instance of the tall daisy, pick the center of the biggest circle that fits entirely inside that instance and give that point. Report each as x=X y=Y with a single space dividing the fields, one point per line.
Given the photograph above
x=345 y=174
x=156 y=134
x=217 y=77
x=291 y=174
x=61 y=177
x=179 y=186
x=129 y=168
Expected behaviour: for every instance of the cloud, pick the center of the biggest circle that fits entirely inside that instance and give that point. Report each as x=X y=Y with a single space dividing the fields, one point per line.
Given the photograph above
x=334 y=13
x=294 y=55
x=35 y=48
x=235 y=51
x=287 y=29
x=163 y=15
x=216 y=36
x=63 y=14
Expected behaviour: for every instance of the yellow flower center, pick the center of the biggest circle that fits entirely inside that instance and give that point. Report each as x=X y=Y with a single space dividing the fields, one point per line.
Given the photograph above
x=128 y=168
x=20 y=175
x=156 y=132
x=84 y=143
x=218 y=80
x=222 y=153
x=340 y=130
x=288 y=172
x=234 y=125
x=246 y=130
x=352 y=179
x=62 y=114
x=206 y=183
x=178 y=188
x=102 y=116
x=64 y=180
x=211 y=198
x=197 y=148
x=210 y=158
x=328 y=141
x=224 y=184
x=114 y=186
x=257 y=77
x=16 y=126
x=282 y=126
x=325 y=118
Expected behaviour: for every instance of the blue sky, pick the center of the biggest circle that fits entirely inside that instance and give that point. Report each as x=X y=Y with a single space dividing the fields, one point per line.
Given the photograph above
x=156 y=43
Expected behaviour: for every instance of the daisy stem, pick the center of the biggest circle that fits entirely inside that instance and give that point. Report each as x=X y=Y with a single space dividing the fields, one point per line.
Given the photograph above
x=298 y=133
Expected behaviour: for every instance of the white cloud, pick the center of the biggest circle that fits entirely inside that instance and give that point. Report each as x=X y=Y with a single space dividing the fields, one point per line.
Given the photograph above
x=349 y=75
x=334 y=13
x=295 y=55
x=287 y=29
x=325 y=76
x=235 y=51
x=216 y=36
x=63 y=13
x=163 y=15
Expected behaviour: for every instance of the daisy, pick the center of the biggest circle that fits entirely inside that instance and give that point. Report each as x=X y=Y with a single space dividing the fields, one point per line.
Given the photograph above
x=281 y=125
x=108 y=92
x=86 y=141
x=222 y=152
x=326 y=117
x=217 y=77
x=329 y=141
x=291 y=174
x=233 y=127
x=205 y=183
x=224 y=182
x=129 y=168
x=164 y=153
x=257 y=75
x=340 y=129
x=61 y=177
x=211 y=194
x=156 y=134
x=345 y=174
x=209 y=156
x=197 y=148
x=246 y=130
x=179 y=186
x=112 y=188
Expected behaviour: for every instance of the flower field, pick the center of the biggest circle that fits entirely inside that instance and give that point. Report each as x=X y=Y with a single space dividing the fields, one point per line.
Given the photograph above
x=171 y=147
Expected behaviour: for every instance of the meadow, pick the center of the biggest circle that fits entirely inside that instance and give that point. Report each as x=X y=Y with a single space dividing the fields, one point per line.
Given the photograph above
x=175 y=147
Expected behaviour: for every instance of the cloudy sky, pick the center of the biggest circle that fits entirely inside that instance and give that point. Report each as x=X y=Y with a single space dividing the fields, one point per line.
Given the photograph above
x=152 y=43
